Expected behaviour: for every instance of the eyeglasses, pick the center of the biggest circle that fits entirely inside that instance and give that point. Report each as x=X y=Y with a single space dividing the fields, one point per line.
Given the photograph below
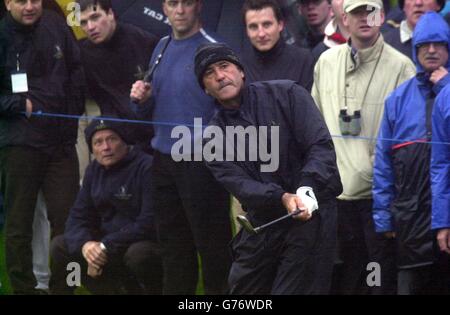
x=435 y=45
x=186 y=3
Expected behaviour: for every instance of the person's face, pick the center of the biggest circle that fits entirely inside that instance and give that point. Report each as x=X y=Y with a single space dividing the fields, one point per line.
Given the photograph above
x=183 y=15
x=432 y=55
x=337 y=6
x=98 y=25
x=224 y=81
x=363 y=24
x=316 y=12
x=263 y=28
x=25 y=12
x=108 y=147
x=415 y=8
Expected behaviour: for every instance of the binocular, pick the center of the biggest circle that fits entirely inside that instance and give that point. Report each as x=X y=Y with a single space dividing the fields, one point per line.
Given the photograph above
x=350 y=125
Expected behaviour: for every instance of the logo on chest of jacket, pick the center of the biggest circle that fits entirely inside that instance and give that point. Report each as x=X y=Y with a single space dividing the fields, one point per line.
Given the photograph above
x=58 y=52
x=122 y=194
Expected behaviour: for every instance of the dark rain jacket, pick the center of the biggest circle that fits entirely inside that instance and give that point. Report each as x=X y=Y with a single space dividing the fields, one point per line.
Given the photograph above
x=111 y=69
x=282 y=62
x=306 y=151
x=114 y=205
x=50 y=56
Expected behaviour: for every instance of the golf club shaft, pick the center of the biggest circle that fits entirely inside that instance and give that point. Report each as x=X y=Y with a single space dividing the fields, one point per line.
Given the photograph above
x=297 y=211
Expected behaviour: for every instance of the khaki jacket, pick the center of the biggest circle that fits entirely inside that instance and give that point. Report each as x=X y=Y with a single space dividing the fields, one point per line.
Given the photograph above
x=361 y=83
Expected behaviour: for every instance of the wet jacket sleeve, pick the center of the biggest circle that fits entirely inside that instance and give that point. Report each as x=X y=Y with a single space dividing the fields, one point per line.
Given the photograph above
x=83 y=221
x=383 y=175
x=143 y=111
x=440 y=162
x=143 y=226
x=319 y=169
x=437 y=88
x=12 y=105
x=249 y=191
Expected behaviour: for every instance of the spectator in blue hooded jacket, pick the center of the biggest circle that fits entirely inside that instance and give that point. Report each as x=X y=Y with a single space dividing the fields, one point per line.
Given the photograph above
x=401 y=189
x=110 y=229
x=401 y=37
x=440 y=170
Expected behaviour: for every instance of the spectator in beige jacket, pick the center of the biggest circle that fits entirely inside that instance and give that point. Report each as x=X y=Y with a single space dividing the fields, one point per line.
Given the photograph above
x=350 y=84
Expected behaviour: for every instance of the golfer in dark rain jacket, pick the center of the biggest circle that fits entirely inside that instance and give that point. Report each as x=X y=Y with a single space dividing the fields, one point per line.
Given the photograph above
x=293 y=256
x=110 y=230
x=401 y=191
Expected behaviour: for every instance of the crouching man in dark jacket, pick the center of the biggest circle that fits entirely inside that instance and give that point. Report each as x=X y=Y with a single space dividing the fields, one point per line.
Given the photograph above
x=110 y=230
x=292 y=256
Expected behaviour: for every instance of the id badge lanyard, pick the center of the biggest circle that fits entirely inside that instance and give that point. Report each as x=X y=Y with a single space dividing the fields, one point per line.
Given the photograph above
x=19 y=81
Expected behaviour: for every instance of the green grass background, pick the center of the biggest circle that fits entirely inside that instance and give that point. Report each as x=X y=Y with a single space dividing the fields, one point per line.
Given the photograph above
x=5 y=287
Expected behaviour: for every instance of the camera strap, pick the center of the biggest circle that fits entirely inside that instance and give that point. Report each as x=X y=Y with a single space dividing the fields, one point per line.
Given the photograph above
x=149 y=75
x=370 y=79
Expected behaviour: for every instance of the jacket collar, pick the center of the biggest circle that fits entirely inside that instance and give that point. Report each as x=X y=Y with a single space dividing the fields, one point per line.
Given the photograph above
x=354 y=60
x=115 y=39
x=423 y=79
x=331 y=27
x=272 y=54
x=16 y=27
x=406 y=33
x=132 y=152
x=332 y=35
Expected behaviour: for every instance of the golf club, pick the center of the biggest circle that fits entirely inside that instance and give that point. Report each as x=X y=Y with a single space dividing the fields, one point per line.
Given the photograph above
x=245 y=223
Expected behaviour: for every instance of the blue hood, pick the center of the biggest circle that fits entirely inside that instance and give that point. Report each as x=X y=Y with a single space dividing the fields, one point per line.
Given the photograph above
x=431 y=27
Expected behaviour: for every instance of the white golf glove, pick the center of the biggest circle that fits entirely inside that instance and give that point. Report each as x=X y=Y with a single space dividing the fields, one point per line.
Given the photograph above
x=308 y=198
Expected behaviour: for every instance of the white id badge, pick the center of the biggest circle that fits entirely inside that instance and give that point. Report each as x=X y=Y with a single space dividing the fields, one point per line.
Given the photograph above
x=19 y=82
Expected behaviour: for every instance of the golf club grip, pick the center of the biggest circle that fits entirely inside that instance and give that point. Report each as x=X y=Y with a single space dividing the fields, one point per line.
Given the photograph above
x=297 y=211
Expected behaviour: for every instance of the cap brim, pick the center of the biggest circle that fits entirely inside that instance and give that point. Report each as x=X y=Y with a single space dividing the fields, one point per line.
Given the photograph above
x=352 y=7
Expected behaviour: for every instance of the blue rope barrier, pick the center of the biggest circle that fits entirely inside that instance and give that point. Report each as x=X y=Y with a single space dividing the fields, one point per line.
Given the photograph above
x=85 y=117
